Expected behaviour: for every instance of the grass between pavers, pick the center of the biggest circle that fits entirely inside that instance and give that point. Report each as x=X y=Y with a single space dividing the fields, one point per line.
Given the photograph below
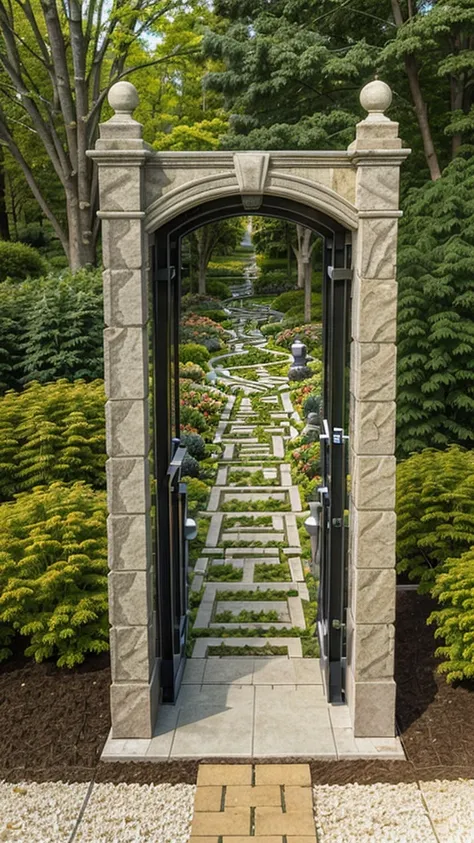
x=246 y=616
x=248 y=521
x=251 y=478
x=224 y=573
x=268 y=594
x=247 y=650
x=268 y=505
x=272 y=573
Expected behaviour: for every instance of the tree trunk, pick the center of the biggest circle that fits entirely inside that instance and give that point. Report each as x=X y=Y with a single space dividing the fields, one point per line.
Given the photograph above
x=421 y=109
x=4 y=226
x=202 y=266
x=307 y=290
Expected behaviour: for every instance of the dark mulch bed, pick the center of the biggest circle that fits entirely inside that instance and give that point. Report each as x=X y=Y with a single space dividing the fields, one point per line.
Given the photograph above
x=54 y=722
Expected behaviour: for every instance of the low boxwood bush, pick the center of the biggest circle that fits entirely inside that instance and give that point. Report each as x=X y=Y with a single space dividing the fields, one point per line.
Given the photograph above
x=231 y=269
x=192 y=352
x=270 y=329
x=191 y=371
x=52 y=432
x=275 y=281
x=435 y=511
x=53 y=573
x=195 y=445
x=19 y=261
x=217 y=288
x=190 y=467
x=197 y=493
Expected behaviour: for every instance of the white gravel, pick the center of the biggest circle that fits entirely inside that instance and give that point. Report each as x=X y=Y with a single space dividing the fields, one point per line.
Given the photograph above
x=377 y=813
x=131 y=813
x=451 y=808
x=39 y=813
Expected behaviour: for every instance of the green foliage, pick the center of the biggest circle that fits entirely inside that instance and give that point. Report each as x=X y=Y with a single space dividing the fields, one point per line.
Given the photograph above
x=219 y=289
x=270 y=329
x=253 y=356
x=312 y=404
x=192 y=352
x=197 y=493
x=53 y=572
x=258 y=594
x=64 y=334
x=247 y=650
x=19 y=261
x=454 y=589
x=51 y=328
x=268 y=505
x=52 y=432
x=310 y=334
x=247 y=616
x=274 y=281
x=271 y=573
x=225 y=573
x=195 y=445
x=228 y=269
x=435 y=401
x=192 y=372
x=435 y=511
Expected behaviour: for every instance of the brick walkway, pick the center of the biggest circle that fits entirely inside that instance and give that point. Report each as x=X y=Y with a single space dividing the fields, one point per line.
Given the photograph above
x=268 y=802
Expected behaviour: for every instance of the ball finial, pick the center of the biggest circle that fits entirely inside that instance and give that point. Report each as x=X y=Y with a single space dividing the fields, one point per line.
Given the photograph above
x=123 y=98
x=376 y=97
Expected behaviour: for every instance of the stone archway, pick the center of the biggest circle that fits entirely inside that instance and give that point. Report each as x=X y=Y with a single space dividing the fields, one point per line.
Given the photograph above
x=142 y=190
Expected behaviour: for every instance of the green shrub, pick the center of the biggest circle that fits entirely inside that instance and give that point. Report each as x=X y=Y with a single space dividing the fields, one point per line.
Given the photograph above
x=275 y=281
x=197 y=493
x=193 y=418
x=190 y=467
x=52 y=432
x=194 y=444
x=216 y=315
x=192 y=352
x=310 y=334
x=231 y=269
x=219 y=289
x=285 y=301
x=191 y=371
x=270 y=329
x=454 y=589
x=292 y=305
x=19 y=261
x=53 y=573
x=12 y=326
x=312 y=404
x=435 y=511
x=64 y=328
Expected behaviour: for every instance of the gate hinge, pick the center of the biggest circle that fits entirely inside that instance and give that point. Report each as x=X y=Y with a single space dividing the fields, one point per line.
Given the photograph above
x=340 y=274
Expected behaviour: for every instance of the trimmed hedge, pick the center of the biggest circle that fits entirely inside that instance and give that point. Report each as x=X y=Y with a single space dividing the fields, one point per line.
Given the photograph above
x=19 y=261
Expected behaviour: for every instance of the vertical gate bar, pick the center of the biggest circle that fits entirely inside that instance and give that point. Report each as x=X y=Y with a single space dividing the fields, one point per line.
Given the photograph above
x=162 y=452
x=337 y=417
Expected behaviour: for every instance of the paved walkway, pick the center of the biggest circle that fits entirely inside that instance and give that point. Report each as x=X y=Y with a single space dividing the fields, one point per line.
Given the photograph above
x=271 y=802
x=253 y=694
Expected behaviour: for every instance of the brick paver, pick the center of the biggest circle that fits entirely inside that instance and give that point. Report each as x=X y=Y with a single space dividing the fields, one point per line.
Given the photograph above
x=268 y=803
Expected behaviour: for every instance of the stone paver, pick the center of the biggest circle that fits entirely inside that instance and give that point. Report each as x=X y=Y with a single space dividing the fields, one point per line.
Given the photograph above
x=254 y=809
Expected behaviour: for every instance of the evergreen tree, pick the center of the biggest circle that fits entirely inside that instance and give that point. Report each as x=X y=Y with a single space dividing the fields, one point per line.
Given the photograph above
x=435 y=403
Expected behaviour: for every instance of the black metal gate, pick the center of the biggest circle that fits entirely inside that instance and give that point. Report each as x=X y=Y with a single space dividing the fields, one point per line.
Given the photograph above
x=172 y=526
x=332 y=600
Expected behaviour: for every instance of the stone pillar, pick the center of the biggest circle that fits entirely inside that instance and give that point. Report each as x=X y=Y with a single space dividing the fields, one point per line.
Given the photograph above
x=121 y=154
x=377 y=155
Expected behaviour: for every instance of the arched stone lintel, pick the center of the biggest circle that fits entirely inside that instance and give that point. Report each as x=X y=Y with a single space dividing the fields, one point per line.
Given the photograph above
x=218 y=185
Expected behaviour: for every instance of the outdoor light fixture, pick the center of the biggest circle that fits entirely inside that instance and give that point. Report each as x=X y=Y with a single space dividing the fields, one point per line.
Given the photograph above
x=299 y=368
x=190 y=529
x=313 y=521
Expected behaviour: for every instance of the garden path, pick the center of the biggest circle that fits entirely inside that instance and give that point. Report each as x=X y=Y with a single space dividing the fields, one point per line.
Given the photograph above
x=248 y=691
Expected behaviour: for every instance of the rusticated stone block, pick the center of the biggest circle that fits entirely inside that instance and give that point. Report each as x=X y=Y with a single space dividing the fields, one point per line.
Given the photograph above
x=134 y=707
x=373 y=535
x=374 y=427
x=373 y=652
x=125 y=297
x=377 y=248
x=373 y=482
x=128 y=485
x=129 y=542
x=373 y=596
x=120 y=188
x=372 y=707
x=123 y=243
x=127 y=428
x=132 y=656
x=377 y=187
x=130 y=598
x=373 y=375
x=126 y=363
x=374 y=310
